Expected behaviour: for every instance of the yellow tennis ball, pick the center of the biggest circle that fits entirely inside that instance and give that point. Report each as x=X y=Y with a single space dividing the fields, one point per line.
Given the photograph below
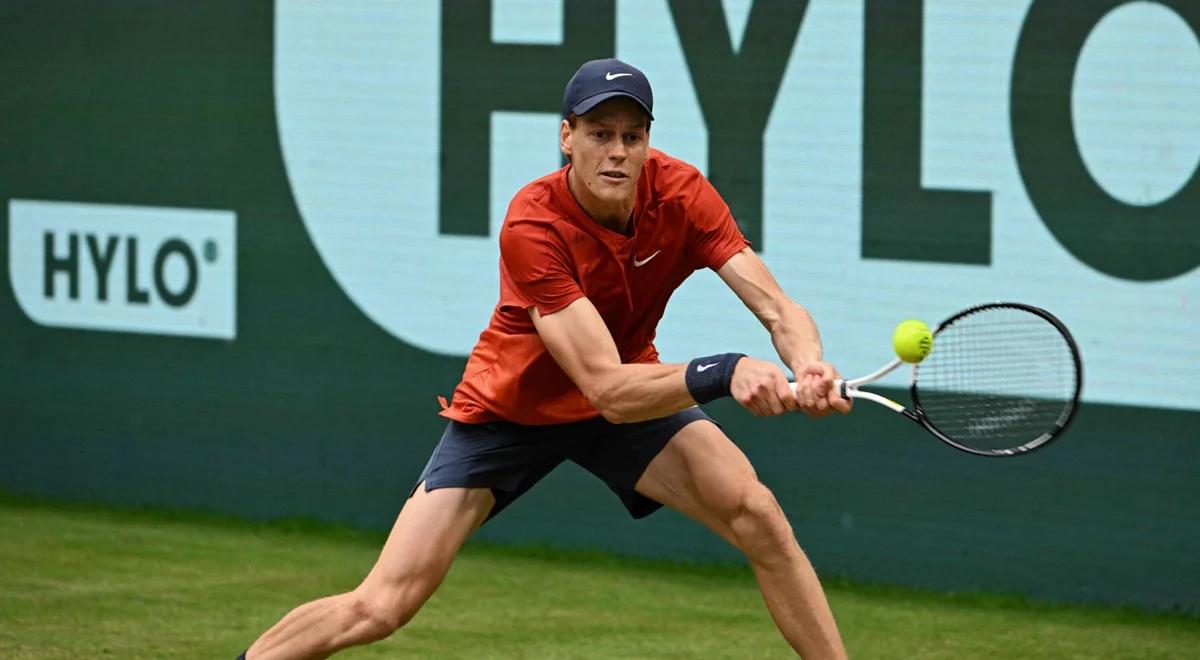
x=912 y=341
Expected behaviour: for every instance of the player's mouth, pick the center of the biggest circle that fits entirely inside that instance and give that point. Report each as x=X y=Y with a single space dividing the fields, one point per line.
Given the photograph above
x=613 y=176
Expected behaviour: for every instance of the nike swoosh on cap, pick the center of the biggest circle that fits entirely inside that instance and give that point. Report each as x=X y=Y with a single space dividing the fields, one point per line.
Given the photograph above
x=614 y=76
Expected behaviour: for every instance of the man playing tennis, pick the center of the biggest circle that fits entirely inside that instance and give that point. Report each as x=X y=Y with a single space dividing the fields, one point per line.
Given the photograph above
x=567 y=370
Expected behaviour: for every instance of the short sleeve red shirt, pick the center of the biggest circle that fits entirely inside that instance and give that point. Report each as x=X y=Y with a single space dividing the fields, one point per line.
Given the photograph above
x=552 y=253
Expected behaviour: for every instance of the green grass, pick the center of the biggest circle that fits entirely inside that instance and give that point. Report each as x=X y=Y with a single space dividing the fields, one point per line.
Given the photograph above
x=79 y=581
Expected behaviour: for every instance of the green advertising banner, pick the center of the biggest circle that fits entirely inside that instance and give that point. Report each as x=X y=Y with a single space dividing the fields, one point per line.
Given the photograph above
x=248 y=244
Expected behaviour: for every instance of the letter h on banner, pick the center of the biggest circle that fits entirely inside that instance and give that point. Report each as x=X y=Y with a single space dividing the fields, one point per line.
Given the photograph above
x=480 y=76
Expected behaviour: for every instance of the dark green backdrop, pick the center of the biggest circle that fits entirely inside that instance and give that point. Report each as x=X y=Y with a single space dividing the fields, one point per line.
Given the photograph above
x=315 y=411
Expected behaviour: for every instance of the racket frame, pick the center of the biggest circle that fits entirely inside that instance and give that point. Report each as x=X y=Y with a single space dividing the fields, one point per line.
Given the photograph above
x=849 y=389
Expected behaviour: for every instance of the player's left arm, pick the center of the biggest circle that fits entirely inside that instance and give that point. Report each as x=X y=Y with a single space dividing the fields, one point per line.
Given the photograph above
x=793 y=331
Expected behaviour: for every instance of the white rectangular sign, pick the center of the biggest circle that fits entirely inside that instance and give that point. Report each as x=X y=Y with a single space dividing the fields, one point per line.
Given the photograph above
x=138 y=269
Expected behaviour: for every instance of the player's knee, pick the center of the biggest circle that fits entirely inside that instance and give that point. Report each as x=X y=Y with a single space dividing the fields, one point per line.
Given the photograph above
x=760 y=528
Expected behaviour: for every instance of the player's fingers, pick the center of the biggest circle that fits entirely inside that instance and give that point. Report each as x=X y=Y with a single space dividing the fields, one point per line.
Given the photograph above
x=822 y=369
x=749 y=403
x=787 y=396
x=826 y=378
x=775 y=403
x=840 y=404
x=805 y=376
x=768 y=398
x=753 y=403
x=772 y=407
x=760 y=409
x=819 y=407
x=820 y=390
x=804 y=393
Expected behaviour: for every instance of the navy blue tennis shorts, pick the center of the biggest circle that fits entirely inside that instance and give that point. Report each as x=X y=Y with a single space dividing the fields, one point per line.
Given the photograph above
x=510 y=458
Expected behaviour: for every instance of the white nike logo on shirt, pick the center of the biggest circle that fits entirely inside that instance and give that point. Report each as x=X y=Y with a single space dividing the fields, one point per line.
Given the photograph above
x=642 y=262
x=705 y=366
x=614 y=76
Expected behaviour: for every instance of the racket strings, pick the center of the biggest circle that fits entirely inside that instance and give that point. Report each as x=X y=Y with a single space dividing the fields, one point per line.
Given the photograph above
x=998 y=378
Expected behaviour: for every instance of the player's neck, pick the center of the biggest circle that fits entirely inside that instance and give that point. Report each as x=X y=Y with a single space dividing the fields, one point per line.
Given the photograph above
x=614 y=216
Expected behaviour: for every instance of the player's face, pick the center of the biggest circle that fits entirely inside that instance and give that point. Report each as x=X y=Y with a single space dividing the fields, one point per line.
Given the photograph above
x=607 y=147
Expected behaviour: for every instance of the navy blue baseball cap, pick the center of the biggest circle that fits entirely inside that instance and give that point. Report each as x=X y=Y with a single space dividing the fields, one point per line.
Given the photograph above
x=599 y=80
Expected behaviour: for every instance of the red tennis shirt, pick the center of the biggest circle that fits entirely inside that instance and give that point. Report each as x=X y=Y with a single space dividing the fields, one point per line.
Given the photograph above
x=552 y=253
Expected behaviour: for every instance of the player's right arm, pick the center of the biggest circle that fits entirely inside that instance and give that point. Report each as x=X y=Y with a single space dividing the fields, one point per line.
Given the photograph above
x=581 y=344
x=534 y=255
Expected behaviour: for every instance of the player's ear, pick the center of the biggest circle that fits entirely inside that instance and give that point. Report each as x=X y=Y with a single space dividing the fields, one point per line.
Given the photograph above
x=564 y=139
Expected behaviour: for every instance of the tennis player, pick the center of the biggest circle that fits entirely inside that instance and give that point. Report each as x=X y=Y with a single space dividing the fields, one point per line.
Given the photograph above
x=567 y=370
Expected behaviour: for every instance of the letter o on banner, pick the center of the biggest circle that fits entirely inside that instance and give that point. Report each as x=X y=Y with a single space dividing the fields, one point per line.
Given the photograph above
x=181 y=297
x=1144 y=243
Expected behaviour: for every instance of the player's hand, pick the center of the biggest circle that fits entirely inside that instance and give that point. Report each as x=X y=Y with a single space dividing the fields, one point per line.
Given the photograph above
x=762 y=388
x=815 y=391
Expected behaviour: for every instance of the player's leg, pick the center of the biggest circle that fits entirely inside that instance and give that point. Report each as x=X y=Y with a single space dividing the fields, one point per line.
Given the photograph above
x=475 y=472
x=427 y=534
x=702 y=474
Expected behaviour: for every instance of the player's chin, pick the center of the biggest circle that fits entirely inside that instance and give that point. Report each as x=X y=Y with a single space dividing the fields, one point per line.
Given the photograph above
x=615 y=194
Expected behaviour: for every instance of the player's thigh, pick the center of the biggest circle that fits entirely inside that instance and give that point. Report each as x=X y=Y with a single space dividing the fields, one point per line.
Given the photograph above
x=700 y=473
x=428 y=533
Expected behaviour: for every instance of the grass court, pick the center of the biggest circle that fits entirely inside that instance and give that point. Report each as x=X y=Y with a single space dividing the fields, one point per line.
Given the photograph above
x=81 y=581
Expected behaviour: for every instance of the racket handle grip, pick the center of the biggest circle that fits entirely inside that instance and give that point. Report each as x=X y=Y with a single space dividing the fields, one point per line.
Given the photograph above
x=839 y=385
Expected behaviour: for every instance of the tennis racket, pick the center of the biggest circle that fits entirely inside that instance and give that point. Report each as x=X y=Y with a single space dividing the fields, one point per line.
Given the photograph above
x=1002 y=379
